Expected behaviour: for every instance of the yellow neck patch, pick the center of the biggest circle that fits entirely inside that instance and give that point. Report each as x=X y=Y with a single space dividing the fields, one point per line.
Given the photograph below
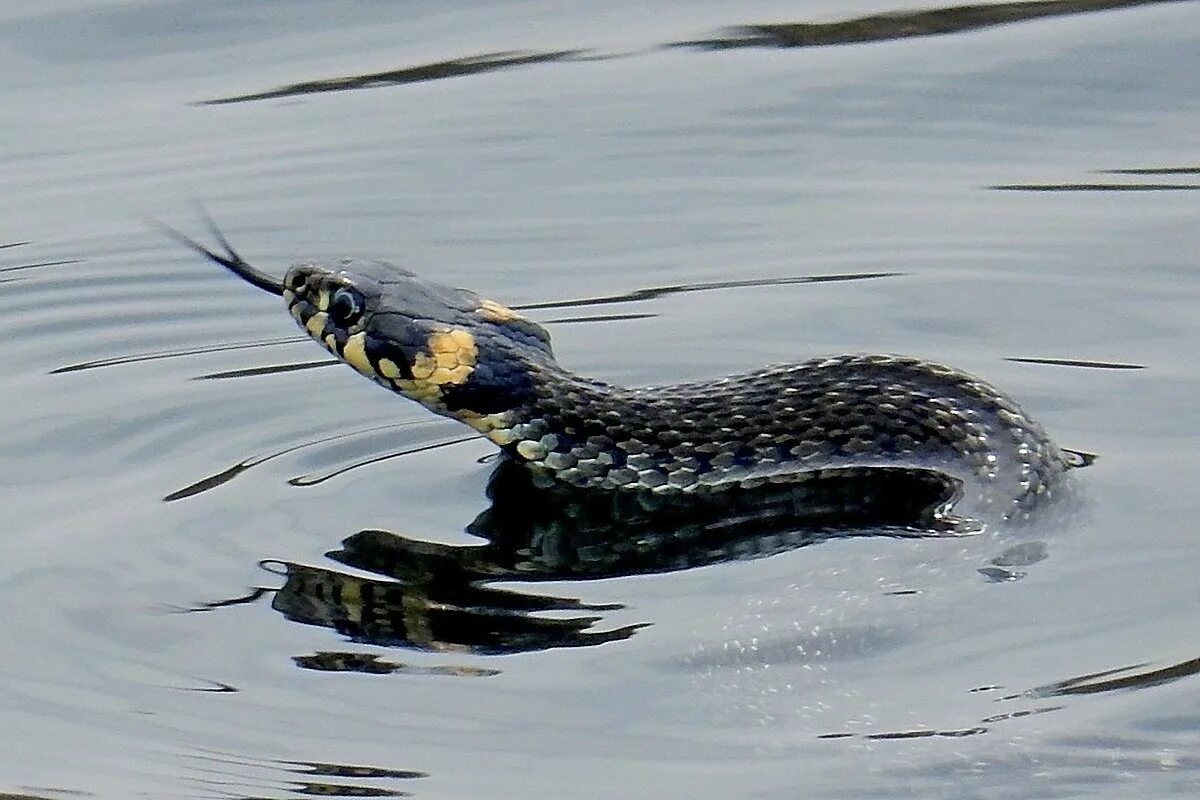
x=450 y=359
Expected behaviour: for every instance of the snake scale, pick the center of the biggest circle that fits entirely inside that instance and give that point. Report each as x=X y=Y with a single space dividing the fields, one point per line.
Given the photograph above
x=477 y=361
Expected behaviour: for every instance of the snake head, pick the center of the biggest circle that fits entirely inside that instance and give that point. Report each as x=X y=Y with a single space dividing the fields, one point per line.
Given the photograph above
x=457 y=353
x=449 y=349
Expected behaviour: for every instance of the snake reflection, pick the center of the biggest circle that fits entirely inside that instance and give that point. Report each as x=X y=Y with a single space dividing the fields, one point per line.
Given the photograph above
x=437 y=597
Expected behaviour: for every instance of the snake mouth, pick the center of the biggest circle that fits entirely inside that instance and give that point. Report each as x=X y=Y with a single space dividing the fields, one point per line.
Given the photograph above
x=230 y=260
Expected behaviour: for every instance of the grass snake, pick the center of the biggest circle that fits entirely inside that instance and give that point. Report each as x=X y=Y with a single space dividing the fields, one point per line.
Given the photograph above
x=475 y=360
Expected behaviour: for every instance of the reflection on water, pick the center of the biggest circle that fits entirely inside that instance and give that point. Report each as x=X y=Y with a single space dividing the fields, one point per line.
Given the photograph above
x=270 y=369
x=916 y=734
x=224 y=476
x=433 y=605
x=230 y=776
x=653 y=293
x=907 y=24
x=14 y=272
x=184 y=352
x=1073 y=362
x=1155 y=171
x=434 y=596
x=1095 y=186
x=372 y=664
x=1003 y=567
x=875 y=28
x=328 y=475
x=452 y=68
x=1136 y=676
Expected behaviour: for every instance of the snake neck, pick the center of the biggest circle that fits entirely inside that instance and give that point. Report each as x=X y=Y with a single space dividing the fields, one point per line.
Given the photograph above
x=778 y=425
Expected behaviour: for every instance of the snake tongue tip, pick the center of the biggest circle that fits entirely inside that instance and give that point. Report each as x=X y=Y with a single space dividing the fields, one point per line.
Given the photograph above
x=231 y=259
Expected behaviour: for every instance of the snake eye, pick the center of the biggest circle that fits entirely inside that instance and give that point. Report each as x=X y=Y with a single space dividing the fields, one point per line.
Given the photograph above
x=296 y=281
x=345 y=307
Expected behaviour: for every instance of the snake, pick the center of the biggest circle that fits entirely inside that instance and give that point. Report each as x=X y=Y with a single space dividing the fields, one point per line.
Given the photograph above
x=475 y=360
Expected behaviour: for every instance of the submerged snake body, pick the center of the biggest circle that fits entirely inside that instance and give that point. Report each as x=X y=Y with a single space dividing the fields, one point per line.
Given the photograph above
x=477 y=361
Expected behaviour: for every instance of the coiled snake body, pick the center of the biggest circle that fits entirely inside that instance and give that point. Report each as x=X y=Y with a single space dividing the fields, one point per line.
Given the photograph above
x=477 y=361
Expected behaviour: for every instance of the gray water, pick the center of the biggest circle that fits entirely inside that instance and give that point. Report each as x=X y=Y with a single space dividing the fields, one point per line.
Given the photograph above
x=1028 y=187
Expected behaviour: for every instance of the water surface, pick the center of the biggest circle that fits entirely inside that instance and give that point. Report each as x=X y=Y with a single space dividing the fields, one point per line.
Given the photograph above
x=671 y=187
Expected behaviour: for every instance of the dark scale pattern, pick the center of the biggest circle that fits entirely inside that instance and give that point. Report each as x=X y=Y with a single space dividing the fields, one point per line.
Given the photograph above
x=770 y=425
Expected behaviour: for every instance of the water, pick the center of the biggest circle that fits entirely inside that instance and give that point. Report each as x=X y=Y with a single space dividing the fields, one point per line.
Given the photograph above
x=1050 y=662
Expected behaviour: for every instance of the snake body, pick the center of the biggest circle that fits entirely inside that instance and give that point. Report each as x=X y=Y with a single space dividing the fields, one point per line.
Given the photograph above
x=475 y=360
